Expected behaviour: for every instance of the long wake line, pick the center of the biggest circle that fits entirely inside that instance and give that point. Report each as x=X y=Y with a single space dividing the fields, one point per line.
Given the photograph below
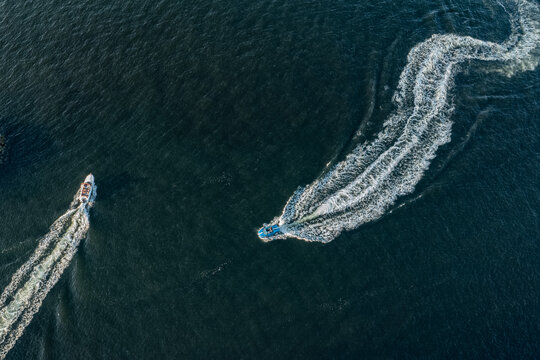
x=31 y=283
x=369 y=180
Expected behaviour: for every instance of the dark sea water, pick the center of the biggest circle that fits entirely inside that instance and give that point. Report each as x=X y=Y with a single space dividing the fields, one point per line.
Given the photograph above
x=199 y=119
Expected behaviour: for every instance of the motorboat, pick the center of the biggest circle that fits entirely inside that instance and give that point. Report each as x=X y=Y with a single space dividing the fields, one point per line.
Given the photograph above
x=87 y=188
x=268 y=231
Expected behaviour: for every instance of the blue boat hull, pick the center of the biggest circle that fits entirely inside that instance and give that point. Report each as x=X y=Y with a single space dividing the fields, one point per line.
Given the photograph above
x=269 y=231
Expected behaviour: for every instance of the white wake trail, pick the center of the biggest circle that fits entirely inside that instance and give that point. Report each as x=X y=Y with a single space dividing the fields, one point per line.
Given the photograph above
x=31 y=283
x=371 y=178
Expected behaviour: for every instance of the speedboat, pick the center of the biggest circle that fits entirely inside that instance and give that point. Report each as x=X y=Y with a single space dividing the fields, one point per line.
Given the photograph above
x=87 y=188
x=268 y=231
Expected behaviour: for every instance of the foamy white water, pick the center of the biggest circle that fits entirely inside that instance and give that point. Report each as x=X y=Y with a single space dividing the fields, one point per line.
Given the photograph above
x=31 y=283
x=370 y=179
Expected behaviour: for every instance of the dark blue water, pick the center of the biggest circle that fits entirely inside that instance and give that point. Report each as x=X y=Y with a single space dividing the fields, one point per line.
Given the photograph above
x=199 y=120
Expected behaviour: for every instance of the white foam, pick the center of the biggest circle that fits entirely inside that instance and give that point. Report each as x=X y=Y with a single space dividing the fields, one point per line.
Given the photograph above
x=31 y=283
x=370 y=179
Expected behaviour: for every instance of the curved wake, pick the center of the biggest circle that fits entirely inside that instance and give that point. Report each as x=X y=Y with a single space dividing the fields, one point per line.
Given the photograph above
x=370 y=179
x=31 y=283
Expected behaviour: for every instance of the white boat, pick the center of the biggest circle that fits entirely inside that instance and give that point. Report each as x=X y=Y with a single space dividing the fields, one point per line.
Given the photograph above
x=87 y=188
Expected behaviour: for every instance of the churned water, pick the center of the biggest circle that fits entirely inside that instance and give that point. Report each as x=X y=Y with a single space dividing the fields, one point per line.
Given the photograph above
x=411 y=127
x=373 y=176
